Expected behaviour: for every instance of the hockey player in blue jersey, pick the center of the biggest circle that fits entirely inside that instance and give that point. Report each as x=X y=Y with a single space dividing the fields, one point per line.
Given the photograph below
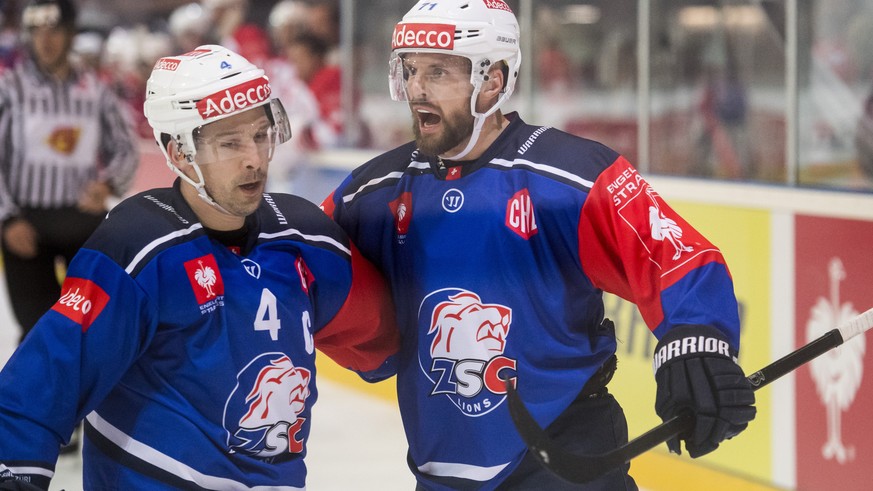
x=498 y=239
x=186 y=331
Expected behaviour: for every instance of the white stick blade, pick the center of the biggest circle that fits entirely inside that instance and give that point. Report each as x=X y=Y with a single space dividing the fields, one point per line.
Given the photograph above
x=856 y=325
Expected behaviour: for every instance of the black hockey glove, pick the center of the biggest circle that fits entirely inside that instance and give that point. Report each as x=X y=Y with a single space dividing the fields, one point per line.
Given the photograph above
x=695 y=370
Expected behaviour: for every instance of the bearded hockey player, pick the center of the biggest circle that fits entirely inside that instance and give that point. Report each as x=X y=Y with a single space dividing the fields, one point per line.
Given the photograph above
x=498 y=239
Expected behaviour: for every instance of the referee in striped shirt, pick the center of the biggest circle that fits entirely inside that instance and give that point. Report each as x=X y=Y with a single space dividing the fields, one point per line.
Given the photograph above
x=66 y=145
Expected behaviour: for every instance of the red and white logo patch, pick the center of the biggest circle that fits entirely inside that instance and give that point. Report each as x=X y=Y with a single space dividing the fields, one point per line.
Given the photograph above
x=81 y=301
x=169 y=64
x=520 y=216
x=205 y=279
x=401 y=208
x=497 y=4
x=306 y=276
x=234 y=99
x=196 y=52
x=453 y=173
x=437 y=36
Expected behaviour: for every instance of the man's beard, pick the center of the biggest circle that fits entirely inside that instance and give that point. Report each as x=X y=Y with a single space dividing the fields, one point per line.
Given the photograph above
x=455 y=131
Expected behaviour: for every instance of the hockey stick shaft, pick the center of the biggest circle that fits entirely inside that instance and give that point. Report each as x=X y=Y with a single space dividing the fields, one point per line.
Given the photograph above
x=584 y=468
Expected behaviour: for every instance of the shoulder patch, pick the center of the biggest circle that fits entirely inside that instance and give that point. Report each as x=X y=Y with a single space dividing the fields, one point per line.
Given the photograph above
x=81 y=301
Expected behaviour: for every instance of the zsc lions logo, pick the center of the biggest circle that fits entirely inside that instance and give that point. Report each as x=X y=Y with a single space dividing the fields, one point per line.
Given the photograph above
x=463 y=349
x=261 y=416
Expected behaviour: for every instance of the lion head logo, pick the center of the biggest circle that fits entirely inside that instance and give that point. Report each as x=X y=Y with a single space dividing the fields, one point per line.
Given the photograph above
x=270 y=422
x=468 y=329
x=463 y=353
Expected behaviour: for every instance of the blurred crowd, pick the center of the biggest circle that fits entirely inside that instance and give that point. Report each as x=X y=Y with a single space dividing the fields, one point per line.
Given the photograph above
x=296 y=43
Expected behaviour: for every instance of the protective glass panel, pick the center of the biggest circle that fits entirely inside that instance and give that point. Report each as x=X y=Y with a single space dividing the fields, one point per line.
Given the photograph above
x=718 y=89
x=835 y=92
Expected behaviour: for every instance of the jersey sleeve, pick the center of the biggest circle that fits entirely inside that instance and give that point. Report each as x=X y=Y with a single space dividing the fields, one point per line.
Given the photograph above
x=363 y=335
x=632 y=244
x=69 y=362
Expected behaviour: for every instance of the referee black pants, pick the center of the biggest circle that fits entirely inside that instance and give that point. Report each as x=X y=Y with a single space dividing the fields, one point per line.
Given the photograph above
x=33 y=284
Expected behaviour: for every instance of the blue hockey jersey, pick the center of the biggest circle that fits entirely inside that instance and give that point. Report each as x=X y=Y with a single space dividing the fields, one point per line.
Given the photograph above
x=497 y=268
x=192 y=364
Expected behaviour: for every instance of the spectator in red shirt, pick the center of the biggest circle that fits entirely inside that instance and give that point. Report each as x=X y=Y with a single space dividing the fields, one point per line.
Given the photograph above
x=308 y=53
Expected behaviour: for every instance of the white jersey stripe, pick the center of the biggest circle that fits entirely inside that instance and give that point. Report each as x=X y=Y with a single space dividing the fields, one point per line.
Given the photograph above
x=155 y=243
x=417 y=164
x=544 y=168
x=393 y=175
x=169 y=464
x=464 y=471
x=314 y=238
x=21 y=470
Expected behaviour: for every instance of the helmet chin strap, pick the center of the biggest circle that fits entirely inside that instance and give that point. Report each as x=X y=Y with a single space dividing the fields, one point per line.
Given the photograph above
x=200 y=185
x=474 y=137
x=479 y=119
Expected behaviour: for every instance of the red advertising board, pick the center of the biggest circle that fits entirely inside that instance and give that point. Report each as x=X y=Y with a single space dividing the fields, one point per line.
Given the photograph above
x=834 y=267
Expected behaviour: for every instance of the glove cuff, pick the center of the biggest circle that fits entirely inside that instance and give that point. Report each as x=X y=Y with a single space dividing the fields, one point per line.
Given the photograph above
x=690 y=341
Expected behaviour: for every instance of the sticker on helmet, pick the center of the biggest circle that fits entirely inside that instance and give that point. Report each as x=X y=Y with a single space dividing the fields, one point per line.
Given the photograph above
x=497 y=4
x=234 y=99
x=169 y=64
x=438 y=36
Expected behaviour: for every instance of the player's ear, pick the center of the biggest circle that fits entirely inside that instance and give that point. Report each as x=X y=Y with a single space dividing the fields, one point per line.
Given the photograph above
x=496 y=80
x=176 y=155
x=491 y=88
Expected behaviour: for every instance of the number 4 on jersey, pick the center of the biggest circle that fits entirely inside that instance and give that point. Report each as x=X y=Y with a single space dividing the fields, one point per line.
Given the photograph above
x=267 y=318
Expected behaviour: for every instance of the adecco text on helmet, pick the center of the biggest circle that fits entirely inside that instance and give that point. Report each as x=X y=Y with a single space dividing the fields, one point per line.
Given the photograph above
x=498 y=4
x=438 y=36
x=235 y=98
x=168 y=64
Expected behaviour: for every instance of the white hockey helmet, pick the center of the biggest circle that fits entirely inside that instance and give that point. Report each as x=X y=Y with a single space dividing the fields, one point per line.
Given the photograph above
x=208 y=84
x=483 y=31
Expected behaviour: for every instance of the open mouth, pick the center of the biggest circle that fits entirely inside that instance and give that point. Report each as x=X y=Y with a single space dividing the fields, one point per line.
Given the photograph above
x=250 y=187
x=427 y=119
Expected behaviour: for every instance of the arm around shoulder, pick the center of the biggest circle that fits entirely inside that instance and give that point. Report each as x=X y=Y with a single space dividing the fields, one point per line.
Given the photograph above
x=363 y=336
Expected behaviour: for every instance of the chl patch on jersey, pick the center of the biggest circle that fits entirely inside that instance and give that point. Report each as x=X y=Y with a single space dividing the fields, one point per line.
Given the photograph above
x=463 y=352
x=401 y=208
x=81 y=301
x=206 y=282
x=520 y=216
x=262 y=414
